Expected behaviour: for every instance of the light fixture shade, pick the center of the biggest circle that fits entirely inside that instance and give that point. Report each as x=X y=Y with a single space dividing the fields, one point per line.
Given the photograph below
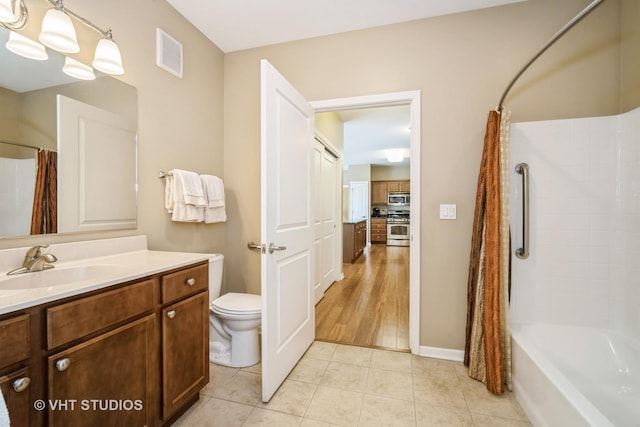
x=77 y=69
x=395 y=155
x=23 y=46
x=58 y=32
x=7 y=11
x=107 y=58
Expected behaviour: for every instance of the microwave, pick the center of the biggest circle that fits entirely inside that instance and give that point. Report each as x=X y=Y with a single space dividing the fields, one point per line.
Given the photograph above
x=398 y=199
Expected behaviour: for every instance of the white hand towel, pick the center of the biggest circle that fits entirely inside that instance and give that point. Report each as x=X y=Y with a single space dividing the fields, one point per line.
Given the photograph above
x=213 y=190
x=175 y=200
x=4 y=413
x=192 y=190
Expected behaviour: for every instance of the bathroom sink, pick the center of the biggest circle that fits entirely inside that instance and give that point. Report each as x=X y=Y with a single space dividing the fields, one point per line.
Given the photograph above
x=58 y=276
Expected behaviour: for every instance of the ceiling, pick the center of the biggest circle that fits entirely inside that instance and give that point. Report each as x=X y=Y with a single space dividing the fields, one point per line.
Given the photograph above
x=237 y=25
x=370 y=132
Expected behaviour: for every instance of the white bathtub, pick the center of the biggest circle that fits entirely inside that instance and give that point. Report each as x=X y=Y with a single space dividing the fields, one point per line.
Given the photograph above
x=571 y=376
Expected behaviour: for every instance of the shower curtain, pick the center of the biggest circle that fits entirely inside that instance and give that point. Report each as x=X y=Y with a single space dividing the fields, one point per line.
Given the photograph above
x=44 y=215
x=487 y=345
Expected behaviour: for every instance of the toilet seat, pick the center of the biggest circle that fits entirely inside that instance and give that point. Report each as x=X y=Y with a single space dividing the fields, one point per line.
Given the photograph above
x=237 y=304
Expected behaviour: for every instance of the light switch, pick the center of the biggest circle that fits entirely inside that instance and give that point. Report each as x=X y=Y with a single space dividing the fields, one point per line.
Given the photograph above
x=448 y=212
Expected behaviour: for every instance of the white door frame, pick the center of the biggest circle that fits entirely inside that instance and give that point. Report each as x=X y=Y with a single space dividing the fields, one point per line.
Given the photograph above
x=411 y=98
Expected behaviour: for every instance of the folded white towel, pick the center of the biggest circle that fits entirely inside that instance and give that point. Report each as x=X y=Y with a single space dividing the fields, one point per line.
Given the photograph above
x=192 y=190
x=213 y=190
x=4 y=413
x=184 y=208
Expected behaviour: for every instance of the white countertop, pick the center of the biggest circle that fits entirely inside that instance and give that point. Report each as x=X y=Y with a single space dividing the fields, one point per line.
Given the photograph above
x=135 y=263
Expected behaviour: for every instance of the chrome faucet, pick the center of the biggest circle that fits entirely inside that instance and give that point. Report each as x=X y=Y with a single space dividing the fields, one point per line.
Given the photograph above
x=35 y=260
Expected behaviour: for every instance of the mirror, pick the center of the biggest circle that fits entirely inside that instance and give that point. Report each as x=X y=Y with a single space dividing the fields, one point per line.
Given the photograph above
x=31 y=118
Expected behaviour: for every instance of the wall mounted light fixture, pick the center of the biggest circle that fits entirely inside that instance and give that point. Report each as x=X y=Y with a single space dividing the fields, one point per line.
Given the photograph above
x=58 y=33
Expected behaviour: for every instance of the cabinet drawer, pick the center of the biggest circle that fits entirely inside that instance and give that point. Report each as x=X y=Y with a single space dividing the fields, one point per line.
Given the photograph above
x=184 y=283
x=76 y=319
x=14 y=336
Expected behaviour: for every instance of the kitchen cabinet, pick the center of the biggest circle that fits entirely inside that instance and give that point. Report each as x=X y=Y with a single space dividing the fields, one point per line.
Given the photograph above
x=15 y=380
x=380 y=189
x=354 y=240
x=131 y=354
x=379 y=192
x=378 y=230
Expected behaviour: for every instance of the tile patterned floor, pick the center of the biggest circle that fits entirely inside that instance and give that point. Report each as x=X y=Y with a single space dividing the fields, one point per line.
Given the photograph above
x=339 y=385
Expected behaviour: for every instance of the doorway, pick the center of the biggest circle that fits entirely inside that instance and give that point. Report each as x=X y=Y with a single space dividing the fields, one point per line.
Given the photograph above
x=412 y=99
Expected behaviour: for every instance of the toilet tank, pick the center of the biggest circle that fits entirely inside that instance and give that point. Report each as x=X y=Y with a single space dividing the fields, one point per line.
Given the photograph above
x=215 y=275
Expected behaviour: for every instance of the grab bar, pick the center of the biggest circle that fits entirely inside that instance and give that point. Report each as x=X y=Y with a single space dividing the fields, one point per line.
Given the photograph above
x=523 y=169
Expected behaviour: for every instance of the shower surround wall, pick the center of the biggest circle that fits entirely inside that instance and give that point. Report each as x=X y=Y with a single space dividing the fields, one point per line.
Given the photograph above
x=583 y=273
x=584 y=266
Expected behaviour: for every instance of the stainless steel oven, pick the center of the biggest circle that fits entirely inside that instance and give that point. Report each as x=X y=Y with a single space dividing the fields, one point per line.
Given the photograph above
x=398 y=228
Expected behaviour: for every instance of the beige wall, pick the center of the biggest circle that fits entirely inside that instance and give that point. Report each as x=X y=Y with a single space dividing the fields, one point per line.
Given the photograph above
x=180 y=121
x=384 y=173
x=331 y=126
x=461 y=64
x=630 y=55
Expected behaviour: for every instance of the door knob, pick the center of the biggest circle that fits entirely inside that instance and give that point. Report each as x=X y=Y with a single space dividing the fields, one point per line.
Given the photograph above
x=171 y=314
x=273 y=247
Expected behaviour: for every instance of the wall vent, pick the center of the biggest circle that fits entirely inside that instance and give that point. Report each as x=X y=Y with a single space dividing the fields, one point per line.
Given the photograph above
x=168 y=53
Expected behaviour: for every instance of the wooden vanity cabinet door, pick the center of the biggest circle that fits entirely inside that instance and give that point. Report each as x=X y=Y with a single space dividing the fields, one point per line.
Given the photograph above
x=18 y=399
x=185 y=351
x=118 y=366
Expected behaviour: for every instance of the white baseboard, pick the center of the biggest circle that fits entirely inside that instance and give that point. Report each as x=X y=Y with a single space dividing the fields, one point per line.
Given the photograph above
x=442 y=353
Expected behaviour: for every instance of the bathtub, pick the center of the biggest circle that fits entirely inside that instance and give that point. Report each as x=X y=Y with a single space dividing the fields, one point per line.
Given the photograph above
x=573 y=376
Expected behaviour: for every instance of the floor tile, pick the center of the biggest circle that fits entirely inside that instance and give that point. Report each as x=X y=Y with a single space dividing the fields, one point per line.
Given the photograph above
x=378 y=411
x=309 y=370
x=345 y=376
x=438 y=416
x=397 y=385
x=218 y=413
x=391 y=361
x=243 y=387
x=487 y=421
x=321 y=350
x=353 y=355
x=438 y=390
x=334 y=406
x=293 y=397
x=481 y=401
x=266 y=418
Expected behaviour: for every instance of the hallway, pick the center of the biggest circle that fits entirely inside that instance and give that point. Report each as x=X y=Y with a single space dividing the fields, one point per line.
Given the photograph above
x=370 y=306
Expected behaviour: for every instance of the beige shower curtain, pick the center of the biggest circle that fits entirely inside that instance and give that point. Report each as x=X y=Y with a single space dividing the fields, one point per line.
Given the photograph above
x=487 y=345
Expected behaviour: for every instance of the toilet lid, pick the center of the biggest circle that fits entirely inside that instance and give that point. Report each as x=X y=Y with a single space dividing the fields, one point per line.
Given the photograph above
x=238 y=303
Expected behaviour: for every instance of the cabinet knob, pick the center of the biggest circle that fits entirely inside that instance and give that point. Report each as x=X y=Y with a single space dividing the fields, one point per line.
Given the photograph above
x=63 y=364
x=191 y=281
x=21 y=384
x=171 y=314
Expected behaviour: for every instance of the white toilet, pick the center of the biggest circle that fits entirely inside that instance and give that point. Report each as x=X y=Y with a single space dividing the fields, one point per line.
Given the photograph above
x=234 y=320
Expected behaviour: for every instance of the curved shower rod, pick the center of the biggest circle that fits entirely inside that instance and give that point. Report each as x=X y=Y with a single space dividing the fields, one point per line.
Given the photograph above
x=551 y=41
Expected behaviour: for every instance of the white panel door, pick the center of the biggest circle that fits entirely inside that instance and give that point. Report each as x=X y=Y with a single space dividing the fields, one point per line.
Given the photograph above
x=358 y=200
x=97 y=167
x=287 y=267
x=329 y=201
x=318 y=154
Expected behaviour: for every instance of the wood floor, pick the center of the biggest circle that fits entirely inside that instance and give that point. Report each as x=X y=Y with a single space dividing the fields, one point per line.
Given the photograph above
x=370 y=306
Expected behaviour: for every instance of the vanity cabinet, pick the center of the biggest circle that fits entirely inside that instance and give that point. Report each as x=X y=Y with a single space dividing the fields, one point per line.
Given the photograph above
x=131 y=354
x=354 y=240
x=107 y=380
x=15 y=380
x=185 y=337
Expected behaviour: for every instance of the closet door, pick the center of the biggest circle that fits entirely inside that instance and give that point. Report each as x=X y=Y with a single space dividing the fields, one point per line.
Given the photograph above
x=325 y=217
